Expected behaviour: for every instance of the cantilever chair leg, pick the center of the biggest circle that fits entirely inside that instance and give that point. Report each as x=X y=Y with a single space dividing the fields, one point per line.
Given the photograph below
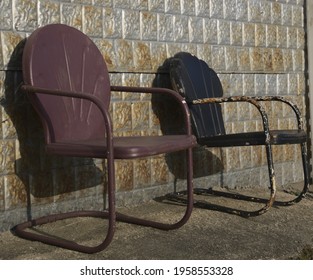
x=306 y=180
x=112 y=216
x=178 y=197
x=272 y=179
x=20 y=230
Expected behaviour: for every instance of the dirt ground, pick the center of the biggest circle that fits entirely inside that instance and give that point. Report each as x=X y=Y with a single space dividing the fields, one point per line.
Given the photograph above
x=281 y=233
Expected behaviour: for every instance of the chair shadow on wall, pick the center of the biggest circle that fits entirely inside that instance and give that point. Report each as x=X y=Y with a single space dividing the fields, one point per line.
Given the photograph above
x=205 y=162
x=171 y=122
x=47 y=179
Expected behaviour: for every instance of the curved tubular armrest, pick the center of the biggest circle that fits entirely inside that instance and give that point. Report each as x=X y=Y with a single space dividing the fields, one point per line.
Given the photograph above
x=293 y=106
x=240 y=99
x=95 y=100
x=174 y=94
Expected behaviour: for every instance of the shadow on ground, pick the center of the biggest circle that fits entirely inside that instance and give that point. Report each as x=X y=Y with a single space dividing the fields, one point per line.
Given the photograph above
x=281 y=233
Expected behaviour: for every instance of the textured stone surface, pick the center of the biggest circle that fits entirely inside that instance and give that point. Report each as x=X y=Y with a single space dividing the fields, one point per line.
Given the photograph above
x=257 y=48
x=49 y=12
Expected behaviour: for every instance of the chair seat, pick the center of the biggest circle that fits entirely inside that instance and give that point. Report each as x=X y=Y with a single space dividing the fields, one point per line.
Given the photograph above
x=124 y=147
x=278 y=137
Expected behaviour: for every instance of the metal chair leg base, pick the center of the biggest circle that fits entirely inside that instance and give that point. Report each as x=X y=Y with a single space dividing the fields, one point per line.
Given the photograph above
x=21 y=231
x=179 y=198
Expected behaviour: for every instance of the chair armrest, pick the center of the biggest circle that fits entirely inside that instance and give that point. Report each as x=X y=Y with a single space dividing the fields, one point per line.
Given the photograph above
x=293 y=106
x=81 y=95
x=154 y=90
x=250 y=100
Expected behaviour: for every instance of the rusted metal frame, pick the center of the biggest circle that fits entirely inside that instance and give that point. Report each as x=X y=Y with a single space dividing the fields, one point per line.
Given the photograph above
x=304 y=156
x=306 y=179
x=267 y=143
x=182 y=103
x=110 y=214
x=292 y=105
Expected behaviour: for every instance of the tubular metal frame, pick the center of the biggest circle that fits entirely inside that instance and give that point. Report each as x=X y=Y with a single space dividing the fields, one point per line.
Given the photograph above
x=111 y=214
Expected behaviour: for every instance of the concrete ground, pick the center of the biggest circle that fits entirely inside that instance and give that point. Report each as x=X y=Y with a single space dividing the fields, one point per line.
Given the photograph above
x=281 y=233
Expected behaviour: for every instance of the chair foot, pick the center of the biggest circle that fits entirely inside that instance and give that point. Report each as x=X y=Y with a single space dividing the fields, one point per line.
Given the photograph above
x=21 y=231
x=297 y=199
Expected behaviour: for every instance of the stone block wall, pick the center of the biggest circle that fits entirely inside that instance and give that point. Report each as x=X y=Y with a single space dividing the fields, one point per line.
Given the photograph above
x=256 y=46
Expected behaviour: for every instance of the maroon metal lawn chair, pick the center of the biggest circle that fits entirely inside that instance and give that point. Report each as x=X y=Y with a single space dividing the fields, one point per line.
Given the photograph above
x=202 y=89
x=67 y=82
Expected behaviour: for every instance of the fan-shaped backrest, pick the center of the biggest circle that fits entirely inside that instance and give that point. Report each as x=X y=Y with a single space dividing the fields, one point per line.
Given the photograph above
x=193 y=79
x=60 y=57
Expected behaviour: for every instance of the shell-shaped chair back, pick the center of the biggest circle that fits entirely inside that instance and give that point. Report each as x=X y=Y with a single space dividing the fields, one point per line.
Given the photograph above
x=59 y=57
x=193 y=79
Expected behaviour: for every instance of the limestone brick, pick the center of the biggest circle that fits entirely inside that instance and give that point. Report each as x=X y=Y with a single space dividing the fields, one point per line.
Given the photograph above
x=25 y=15
x=266 y=12
x=112 y=23
x=287 y=60
x=6 y=14
x=297 y=16
x=122 y=116
x=218 y=57
x=260 y=84
x=230 y=8
x=242 y=8
x=173 y=6
x=236 y=34
x=165 y=27
x=49 y=12
x=14 y=192
x=260 y=35
x=9 y=41
x=149 y=26
x=292 y=36
x=181 y=30
x=142 y=56
x=276 y=12
x=248 y=34
x=159 y=171
x=124 y=54
x=255 y=11
x=216 y=9
x=72 y=15
x=243 y=58
x=231 y=58
x=196 y=30
x=202 y=8
x=281 y=36
x=158 y=54
x=142 y=173
x=286 y=15
x=210 y=31
x=271 y=36
x=131 y=24
x=157 y=5
x=124 y=175
x=223 y=30
x=93 y=21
